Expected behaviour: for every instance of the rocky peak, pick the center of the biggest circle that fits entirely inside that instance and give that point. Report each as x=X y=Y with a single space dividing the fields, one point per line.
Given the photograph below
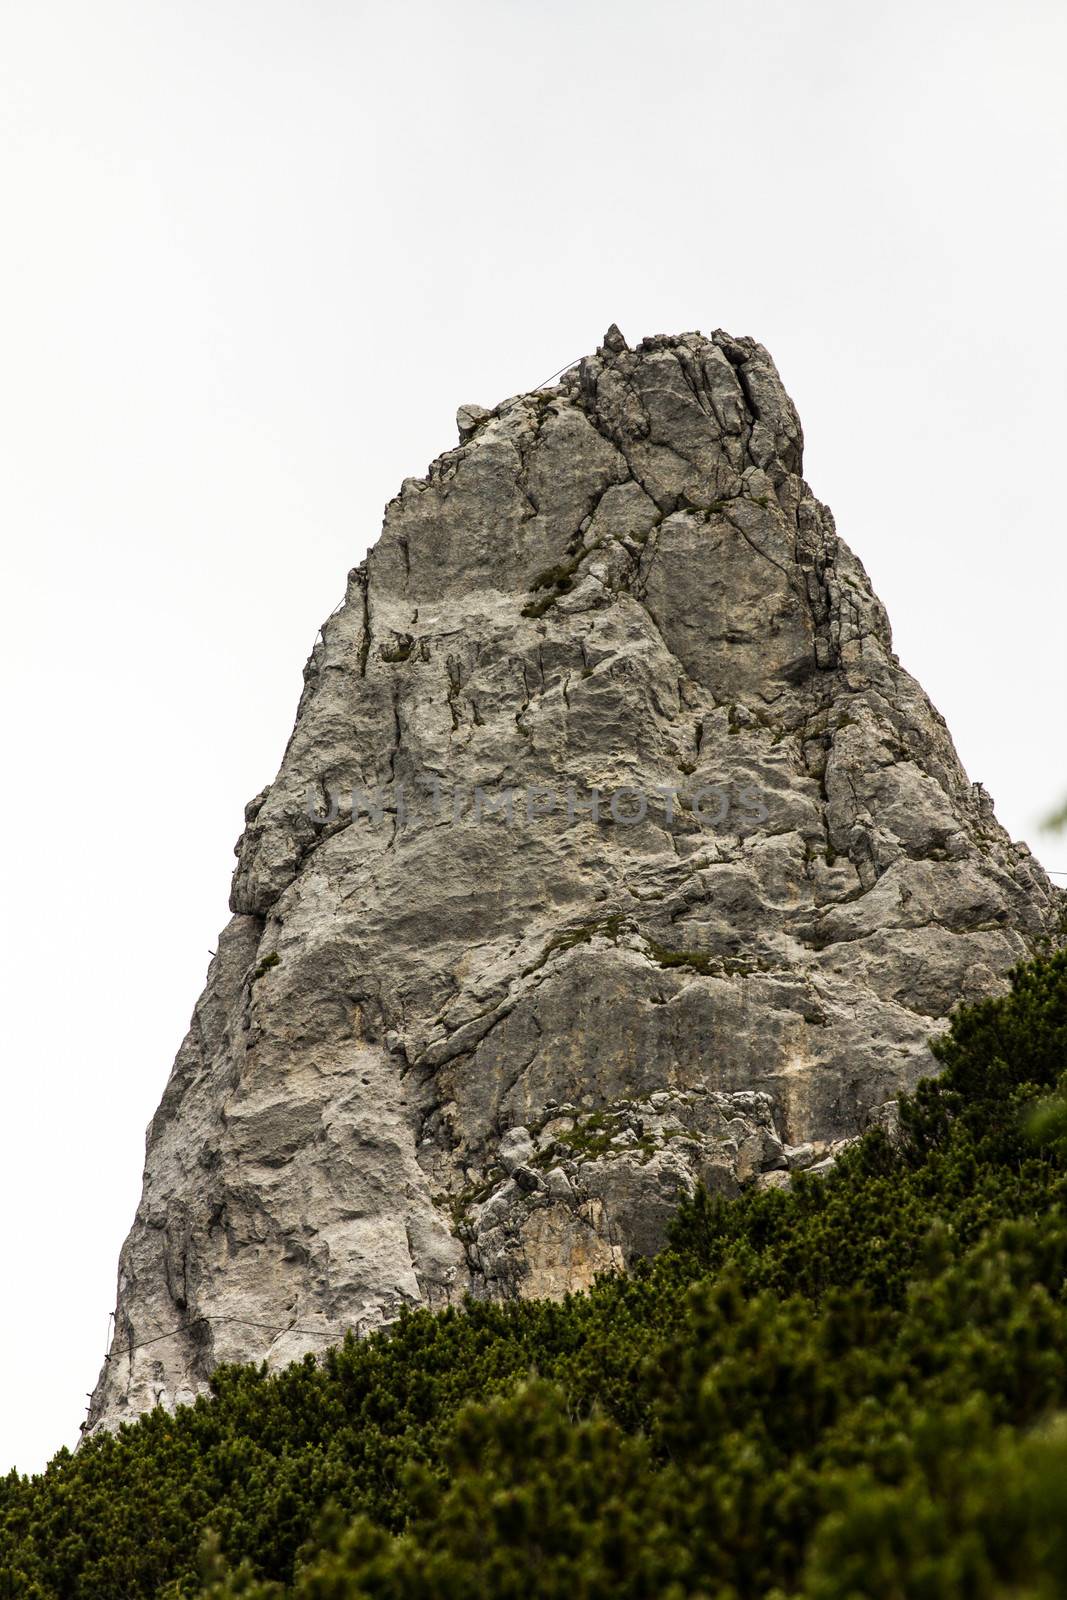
x=613 y=851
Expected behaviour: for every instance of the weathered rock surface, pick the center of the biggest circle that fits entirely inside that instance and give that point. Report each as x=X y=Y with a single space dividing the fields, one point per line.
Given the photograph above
x=446 y=1050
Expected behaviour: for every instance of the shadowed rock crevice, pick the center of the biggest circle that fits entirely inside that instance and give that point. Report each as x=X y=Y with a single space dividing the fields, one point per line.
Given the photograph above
x=466 y=1041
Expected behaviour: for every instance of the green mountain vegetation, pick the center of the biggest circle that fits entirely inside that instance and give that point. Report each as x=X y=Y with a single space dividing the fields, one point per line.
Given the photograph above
x=854 y=1388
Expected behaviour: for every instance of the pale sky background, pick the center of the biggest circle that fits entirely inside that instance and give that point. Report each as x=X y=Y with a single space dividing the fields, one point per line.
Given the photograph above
x=254 y=256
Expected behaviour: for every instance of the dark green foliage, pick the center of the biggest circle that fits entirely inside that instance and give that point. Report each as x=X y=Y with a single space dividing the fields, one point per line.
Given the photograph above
x=853 y=1390
x=555 y=581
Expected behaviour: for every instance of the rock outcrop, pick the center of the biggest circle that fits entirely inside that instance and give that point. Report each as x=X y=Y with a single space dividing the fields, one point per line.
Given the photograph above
x=612 y=851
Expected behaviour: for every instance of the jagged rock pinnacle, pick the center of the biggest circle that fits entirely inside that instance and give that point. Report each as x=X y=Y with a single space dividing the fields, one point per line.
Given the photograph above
x=612 y=851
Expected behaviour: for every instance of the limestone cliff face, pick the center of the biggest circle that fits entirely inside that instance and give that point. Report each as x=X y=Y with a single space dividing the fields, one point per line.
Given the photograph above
x=480 y=1042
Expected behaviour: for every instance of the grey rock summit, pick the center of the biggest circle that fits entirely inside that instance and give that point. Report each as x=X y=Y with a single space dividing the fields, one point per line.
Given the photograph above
x=612 y=851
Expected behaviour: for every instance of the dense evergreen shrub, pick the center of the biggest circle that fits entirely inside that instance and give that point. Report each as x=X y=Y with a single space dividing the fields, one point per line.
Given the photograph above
x=852 y=1390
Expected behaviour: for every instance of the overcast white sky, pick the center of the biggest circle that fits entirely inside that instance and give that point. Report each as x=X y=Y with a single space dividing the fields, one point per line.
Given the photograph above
x=256 y=254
